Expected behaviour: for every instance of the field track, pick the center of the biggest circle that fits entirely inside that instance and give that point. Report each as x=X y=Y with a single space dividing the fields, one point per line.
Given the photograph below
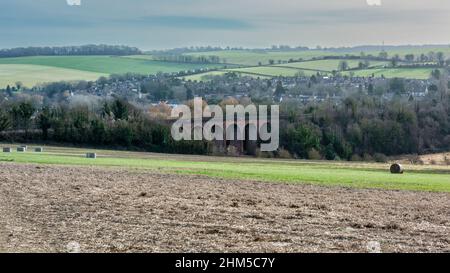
x=51 y=208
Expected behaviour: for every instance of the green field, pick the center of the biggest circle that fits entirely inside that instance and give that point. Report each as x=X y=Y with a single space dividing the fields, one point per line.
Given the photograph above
x=272 y=71
x=410 y=73
x=252 y=58
x=314 y=67
x=41 y=69
x=105 y=64
x=208 y=75
x=359 y=175
x=413 y=50
x=310 y=66
x=30 y=75
x=246 y=57
x=330 y=65
x=140 y=57
x=82 y=68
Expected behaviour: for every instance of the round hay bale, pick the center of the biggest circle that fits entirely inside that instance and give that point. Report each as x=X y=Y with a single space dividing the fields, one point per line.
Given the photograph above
x=397 y=169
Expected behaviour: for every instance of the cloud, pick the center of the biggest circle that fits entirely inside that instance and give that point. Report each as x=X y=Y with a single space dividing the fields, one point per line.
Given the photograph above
x=189 y=22
x=173 y=23
x=74 y=2
x=374 y=2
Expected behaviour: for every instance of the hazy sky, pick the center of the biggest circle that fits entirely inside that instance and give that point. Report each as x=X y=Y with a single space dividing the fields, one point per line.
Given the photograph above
x=151 y=24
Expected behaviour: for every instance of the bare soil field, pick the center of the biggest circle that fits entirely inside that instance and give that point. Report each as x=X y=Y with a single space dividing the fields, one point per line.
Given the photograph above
x=98 y=209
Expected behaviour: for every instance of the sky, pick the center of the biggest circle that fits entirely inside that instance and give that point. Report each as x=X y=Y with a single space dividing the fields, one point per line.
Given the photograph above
x=159 y=24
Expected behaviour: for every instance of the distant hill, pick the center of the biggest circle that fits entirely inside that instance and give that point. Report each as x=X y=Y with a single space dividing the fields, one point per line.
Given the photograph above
x=371 y=48
x=34 y=65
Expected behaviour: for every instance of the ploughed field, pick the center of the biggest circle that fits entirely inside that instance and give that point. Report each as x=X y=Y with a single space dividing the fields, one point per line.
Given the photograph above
x=78 y=206
x=49 y=208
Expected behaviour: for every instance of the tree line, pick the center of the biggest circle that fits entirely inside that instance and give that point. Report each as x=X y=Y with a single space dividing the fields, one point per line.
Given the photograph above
x=368 y=127
x=178 y=58
x=361 y=127
x=115 y=123
x=116 y=50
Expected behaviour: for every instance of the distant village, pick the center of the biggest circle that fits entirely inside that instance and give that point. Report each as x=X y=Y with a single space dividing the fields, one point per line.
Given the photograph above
x=172 y=91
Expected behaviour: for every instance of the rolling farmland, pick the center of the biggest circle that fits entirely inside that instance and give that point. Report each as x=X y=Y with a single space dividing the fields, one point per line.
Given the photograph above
x=171 y=203
x=41 y=69
x=309 y=66
x=267 y=71
x=252 y=58
x=36 y=69
x=330 y=65
x=30 y=75
x=417 y=51
x=294 y=69
x=411 y=73
x=105 y=64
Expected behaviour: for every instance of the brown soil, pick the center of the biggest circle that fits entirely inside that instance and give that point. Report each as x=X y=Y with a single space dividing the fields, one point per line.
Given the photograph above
x=87 y=209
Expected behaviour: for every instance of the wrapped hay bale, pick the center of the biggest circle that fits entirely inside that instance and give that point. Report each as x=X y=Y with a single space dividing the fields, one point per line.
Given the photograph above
x=7 y=150
x=39 y=150
x=21 y=149
x=397 y=169
x=91 y=155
